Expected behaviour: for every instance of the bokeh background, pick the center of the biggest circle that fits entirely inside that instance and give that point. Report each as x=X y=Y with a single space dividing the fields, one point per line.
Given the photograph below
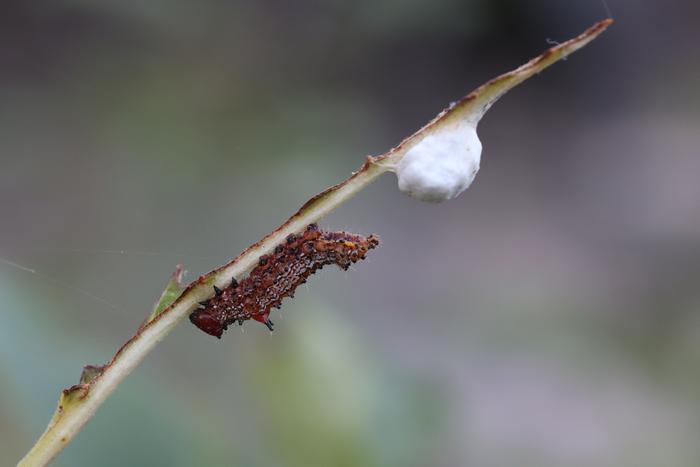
x=548 y=317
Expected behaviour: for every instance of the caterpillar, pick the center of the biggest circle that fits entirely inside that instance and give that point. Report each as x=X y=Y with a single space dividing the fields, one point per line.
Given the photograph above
x=277 y=276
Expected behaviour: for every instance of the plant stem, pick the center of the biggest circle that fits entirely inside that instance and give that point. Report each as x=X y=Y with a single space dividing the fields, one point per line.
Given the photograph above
x=78 y=403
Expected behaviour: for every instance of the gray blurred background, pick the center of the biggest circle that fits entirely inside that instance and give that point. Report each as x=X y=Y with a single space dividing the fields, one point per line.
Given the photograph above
x=548 y=317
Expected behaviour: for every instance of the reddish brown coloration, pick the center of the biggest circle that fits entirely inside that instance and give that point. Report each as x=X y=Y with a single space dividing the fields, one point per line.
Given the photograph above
x=277 y=276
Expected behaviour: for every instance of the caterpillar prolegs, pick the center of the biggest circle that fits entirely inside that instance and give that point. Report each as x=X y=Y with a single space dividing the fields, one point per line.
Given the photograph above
x=278 y=275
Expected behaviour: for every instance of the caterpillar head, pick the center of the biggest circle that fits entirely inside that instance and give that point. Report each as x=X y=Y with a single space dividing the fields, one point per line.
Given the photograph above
x=207 y=323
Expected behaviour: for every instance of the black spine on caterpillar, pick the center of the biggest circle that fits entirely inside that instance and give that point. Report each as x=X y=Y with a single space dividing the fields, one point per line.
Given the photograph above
x=278 y=275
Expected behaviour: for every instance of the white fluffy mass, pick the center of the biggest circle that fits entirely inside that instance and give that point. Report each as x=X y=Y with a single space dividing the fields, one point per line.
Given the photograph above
x=442 y=165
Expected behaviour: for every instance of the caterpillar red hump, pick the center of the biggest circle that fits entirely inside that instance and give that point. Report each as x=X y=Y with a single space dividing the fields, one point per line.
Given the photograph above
x=278 y=275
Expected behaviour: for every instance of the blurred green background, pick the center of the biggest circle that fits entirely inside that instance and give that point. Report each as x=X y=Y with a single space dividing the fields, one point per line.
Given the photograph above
x=548 y=317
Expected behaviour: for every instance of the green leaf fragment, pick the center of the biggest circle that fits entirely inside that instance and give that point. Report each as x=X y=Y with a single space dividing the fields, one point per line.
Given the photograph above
x=171 y=293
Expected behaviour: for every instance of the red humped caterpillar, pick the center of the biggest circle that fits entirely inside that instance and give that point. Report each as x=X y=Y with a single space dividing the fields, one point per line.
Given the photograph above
x=278 y=275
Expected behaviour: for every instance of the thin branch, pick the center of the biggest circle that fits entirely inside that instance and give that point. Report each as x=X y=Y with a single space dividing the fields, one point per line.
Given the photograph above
x=78 y=403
